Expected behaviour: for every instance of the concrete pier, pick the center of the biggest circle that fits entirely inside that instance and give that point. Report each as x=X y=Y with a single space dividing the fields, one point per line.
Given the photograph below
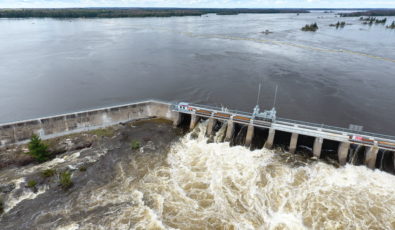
x=229 y=131
x=194 y=120
x=177 y=119
x=342 y=152
x=371 y=156
x=270 y=139
x=210 y=126
x=317 y=147
x=250 y=135
x=293 y=142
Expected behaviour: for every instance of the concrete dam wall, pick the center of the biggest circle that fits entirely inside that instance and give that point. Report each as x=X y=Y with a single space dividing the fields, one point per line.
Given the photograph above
x=49 y=127
x=237 y=132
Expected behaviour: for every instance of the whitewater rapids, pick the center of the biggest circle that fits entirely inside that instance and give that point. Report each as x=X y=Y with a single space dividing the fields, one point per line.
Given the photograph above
x=191 y=184
x=214 y=186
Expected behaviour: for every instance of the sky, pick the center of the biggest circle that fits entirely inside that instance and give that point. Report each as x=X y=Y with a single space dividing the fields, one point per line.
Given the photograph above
x=200 y=3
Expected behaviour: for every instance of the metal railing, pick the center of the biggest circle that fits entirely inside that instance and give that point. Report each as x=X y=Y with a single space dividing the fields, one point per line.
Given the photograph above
x=345 y=130
x=325 y=128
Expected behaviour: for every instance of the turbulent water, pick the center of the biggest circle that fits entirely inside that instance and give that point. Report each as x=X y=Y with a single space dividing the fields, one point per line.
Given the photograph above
x=214 y=186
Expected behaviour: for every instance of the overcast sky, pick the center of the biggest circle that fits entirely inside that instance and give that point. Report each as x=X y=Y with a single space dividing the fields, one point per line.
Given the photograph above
x=202 y=3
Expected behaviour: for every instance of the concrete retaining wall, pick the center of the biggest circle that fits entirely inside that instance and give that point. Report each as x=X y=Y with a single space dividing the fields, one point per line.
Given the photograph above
x=48 y=127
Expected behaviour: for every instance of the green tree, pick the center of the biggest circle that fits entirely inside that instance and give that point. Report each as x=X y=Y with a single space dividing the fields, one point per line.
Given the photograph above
x=38 y=150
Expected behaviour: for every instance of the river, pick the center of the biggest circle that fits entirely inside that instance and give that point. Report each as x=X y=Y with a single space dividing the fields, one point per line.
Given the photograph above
x=185 y=183
x=333 y=76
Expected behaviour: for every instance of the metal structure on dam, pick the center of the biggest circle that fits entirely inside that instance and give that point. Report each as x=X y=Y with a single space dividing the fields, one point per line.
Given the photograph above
x=370 y=145
x=267 y=120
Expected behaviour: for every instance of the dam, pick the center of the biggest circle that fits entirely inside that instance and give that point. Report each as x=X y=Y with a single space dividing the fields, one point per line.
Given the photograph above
x=262 y=129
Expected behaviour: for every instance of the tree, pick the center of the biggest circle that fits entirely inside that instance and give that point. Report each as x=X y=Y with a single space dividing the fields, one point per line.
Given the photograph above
x=38 y=150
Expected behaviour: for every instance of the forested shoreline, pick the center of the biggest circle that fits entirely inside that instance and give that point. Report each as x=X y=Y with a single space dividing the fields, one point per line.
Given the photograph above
x=131 y=12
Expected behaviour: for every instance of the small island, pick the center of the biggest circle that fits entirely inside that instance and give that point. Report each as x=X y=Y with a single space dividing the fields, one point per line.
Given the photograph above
x=338 y=24
x=392 y=25
x=371 y=20
x=312 y=27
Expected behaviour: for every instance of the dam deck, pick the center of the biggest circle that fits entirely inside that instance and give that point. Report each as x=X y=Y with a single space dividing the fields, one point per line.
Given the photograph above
x=300 y=127
x=372 y=143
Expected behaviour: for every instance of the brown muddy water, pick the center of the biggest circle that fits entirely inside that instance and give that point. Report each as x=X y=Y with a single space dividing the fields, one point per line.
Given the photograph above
x=182 y=182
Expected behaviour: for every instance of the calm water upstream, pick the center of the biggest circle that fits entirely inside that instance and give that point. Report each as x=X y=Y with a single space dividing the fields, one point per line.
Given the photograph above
x=333 y=76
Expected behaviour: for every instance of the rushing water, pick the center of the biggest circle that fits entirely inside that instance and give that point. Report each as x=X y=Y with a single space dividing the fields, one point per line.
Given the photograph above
x=333 y=76
x=213 y=186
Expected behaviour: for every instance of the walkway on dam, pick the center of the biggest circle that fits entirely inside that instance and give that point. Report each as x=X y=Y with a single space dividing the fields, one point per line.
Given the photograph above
x=372 y=142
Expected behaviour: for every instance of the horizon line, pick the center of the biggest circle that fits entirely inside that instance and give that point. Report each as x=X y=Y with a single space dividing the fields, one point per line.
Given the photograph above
x=164 y=7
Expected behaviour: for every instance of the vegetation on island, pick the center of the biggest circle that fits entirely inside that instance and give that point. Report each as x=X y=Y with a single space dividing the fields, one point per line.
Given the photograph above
x=312 y=27
x=371 y=20
x=370 y=13
x=338 y=24
x=38 y=150
x=132 y=12
x=134 y=145
x=83 y=168
x=65 y=180
x=48 y=173
x=31 y=184
x=392 y=25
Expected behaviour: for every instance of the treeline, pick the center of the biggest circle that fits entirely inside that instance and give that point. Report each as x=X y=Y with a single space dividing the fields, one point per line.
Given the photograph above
x=370 y=13
x=131 y=12
x=338 y=24
x=312 y=27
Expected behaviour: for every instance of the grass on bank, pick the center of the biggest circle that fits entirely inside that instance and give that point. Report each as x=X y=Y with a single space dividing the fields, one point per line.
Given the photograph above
x=31 y=184
x=48 y=173
x=108 y=132
x=65 y=180
x=134 y=145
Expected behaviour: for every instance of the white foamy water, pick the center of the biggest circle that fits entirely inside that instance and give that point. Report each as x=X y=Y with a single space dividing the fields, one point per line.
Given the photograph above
x=27 y=194
x=214 y=186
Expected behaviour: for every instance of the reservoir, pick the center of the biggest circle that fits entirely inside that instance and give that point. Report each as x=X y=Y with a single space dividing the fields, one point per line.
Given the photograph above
x=334 y=76
x=178 y=180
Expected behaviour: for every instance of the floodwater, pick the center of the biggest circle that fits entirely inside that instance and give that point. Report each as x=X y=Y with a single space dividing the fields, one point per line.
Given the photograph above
x=196 y=185
x=333 y=76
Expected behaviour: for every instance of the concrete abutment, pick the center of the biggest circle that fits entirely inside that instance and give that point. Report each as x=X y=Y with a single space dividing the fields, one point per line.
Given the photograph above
x=371 y=156
x=317 y=147
x=342 y=152
x=229 y=131
x=250 y=135
x=293 y=143
x=210 y=126
x=270 y=139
